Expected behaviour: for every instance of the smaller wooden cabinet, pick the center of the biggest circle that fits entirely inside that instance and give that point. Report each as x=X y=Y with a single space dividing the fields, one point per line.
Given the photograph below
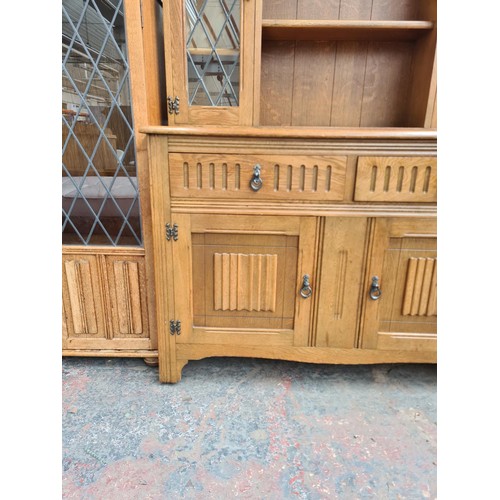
x=402 y=314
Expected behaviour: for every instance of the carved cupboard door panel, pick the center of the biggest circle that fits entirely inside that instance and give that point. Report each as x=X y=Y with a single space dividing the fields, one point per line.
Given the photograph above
x=401 y=286
x=105 y=301
x=244 y=279
x=83 y=299
x=127 y=290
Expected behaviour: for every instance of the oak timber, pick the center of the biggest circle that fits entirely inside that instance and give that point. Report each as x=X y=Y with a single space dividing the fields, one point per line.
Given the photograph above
x=186 y=352
x=396 y=133
x=108 y=292
x=286 y=271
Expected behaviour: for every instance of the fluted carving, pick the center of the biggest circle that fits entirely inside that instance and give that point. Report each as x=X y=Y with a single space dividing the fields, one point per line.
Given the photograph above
x=81 y=297
x=420 y=298
x=245 y=282
x=128 y=296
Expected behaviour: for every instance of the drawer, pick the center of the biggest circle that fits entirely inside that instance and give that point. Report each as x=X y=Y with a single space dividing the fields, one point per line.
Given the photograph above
x=283 y=177
x=396 y=178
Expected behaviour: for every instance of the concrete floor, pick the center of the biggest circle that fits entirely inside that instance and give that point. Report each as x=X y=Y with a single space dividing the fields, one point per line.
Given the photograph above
x=245 y=428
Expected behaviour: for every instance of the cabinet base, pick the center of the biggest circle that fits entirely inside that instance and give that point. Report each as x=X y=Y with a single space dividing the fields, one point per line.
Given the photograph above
x=111 y=353
x=320 y=355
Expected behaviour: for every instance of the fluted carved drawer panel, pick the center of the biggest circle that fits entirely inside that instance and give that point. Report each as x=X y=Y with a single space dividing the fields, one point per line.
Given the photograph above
x=283 y=177
x=395 y=178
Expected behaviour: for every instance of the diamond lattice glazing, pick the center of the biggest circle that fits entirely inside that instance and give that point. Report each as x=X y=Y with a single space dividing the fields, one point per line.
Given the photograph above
x=213 y=52
x=100 y=196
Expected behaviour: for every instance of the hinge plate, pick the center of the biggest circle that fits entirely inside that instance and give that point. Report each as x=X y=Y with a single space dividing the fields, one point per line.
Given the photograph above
x=173 y=105
x=175 y=327
x=171 y=231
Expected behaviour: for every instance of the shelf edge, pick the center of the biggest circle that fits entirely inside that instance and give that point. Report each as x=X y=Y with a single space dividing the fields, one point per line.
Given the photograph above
x=295 y=132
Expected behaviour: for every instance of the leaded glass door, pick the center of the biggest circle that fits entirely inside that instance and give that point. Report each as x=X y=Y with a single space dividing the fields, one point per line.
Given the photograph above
x=210 y=62
x=100 y=192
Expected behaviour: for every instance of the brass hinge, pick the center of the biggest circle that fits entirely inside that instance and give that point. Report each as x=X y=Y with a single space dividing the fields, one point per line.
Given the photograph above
x=173 y=105
x=171 y=231
x=175 y=327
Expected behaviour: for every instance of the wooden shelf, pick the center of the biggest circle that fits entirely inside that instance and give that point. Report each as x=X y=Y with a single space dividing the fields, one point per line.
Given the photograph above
x=285 y=29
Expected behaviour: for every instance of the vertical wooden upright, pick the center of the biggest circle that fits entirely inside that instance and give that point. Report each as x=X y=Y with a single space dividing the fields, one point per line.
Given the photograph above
x=146 y=57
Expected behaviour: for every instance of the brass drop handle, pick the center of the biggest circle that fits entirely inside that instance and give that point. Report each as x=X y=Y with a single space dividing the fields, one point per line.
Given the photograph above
x=375 y=290
x=256 y=181
x=306 y=290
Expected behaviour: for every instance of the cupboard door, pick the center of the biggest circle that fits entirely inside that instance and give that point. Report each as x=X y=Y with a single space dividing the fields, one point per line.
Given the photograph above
x=209 y=61
x=340 y=281
x=105 y=301
x=240 y=279
x=127 y=290
x=401 y=286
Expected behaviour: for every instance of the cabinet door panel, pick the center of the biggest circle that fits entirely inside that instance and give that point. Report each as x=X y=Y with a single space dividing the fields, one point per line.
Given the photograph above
x=82 y=296
x=404 y=258
x=105 y=301
x=127 y=288
x=241 y=277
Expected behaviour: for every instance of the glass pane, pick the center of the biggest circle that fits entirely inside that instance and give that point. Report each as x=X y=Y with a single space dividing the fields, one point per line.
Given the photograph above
x=100 y=196
x=213 y=52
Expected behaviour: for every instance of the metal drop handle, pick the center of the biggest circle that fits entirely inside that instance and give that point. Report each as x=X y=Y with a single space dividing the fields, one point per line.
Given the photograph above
x=306 y=290
x=375 y=290
x=256 y=181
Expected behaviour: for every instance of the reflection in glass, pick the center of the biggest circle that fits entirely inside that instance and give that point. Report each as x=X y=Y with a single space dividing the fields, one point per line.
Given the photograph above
x=213 y=52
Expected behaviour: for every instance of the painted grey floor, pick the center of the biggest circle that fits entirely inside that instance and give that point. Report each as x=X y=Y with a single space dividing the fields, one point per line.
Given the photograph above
x=247 y=428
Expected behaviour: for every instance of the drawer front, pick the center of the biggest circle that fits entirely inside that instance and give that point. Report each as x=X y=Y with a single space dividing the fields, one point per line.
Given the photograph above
x=283 y=177
x=396 y=178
